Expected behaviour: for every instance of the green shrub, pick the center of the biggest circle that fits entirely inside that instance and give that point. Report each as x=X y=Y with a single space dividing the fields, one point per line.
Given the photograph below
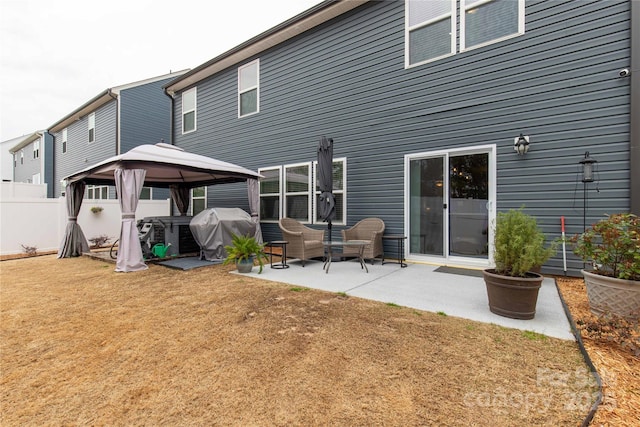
x=519 y=244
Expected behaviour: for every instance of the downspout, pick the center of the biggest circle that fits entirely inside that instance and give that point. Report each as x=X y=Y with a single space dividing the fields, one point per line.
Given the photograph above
x=173 y=115
x=115 y=97
x=634 y=131
x=171 y=138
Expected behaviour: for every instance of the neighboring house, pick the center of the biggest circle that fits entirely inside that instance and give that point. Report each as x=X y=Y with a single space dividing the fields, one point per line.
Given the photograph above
x=112 y=123
x=6 y=158
x=425 y=102
x=33 y=160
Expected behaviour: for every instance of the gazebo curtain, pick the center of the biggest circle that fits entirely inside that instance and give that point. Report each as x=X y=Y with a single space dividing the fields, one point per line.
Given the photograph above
x=129 y=184
x=253 y=189
x=74 y=243
x=180 y=196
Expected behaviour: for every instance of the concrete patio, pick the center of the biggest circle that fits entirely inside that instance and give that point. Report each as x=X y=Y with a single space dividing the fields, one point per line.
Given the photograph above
x=459 y=292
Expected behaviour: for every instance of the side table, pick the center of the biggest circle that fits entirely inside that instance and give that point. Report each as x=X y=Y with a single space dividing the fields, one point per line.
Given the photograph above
x=280 y=244
x=400 y=239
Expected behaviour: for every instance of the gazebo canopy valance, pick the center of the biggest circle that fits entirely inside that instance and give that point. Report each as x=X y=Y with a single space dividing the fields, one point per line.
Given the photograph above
x=166 y=165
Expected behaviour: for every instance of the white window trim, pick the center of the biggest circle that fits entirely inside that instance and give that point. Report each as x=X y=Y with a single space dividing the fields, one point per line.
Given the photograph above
x=93 y=188
x=256 y=87
x=194 y=109
x=22 y=157
x=65 y=135
x=36 y=149
x=338 y=221
x=92 y=118
x=191 y=199
x=463 y=9
x=309 y=193
x=280 y=192
x=408 y=29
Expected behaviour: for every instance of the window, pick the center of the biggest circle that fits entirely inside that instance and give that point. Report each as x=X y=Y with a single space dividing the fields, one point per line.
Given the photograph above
x=64 y=140
x=92 y=127
x=339 y=179
x=249 y=89
x=145 y=194
x=483 y=22
x=36 y=149
x=189 y=101
x=297 y=186
x=22 y=157
x=270 y=201
x=97 y=192
x=198 y=200
x=430 y=32
x=287 y=191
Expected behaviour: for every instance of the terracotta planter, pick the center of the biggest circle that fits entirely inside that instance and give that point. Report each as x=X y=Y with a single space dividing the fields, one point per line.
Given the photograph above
x=610 y=295
x=245 y=265
x=514 y=297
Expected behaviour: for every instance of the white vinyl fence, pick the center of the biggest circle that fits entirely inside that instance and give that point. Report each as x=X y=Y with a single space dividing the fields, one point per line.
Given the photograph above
x=28 y=218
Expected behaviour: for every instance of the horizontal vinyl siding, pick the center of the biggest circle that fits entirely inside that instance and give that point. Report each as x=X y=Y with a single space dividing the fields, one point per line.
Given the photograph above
x=80 y=153
x=557 y=83
x=145 y=115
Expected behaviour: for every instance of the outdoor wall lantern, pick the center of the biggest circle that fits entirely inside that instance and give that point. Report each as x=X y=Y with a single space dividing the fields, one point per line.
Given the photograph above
x=587 y=167
x=521 y=144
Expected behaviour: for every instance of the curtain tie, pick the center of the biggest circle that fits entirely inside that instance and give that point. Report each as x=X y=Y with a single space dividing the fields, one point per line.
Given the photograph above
x=73 y=219
x=128 y=216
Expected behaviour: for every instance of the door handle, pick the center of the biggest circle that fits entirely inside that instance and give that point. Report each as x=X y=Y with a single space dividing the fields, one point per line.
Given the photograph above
x=445 y=206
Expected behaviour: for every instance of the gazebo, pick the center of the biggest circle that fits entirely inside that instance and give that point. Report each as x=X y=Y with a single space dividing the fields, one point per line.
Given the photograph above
x=159 y=165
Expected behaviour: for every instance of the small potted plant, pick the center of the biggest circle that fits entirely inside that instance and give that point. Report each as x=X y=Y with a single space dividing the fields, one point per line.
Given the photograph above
x=243 y=251
x=519 y=245
x=97 y=209
x=612 y=248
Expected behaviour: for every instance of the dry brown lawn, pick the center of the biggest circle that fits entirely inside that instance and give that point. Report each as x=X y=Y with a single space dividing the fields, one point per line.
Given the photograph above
x=83 y=345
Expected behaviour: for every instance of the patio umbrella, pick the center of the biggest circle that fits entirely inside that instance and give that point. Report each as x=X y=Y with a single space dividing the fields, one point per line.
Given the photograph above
x=326 y=202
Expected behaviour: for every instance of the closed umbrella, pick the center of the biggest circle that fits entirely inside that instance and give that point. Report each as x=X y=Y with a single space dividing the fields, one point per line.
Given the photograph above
x=326 y=202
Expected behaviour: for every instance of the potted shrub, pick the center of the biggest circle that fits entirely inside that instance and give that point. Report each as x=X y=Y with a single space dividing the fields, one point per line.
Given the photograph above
x=519 y=245
x=243 y=251
x=96 y=209
x=612 y=248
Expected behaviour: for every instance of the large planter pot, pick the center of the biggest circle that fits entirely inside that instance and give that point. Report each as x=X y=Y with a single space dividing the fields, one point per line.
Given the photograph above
x=610 y=295
x=514 y=297
x=245 y=265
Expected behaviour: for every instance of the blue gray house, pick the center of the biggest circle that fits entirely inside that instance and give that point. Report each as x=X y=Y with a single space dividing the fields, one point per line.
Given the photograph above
x=113 y=122
x=442 y=114
x=33 y=159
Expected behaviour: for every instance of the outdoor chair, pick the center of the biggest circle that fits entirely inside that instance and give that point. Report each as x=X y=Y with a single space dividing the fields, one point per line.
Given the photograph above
x=370 y=229
x=304 y=242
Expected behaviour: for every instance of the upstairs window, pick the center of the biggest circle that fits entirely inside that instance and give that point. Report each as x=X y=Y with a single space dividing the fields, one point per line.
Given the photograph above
x=92 y=127
x=431 y=32
x=249 y=89
x=36 y=149
x=189 y=110
x=64 y=140
x=486 y=21
x=22 y=157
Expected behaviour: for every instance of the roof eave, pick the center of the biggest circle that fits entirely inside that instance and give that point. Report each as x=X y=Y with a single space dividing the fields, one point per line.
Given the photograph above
x=305 y=21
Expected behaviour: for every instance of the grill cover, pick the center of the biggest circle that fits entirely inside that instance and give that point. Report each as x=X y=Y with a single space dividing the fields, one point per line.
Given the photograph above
x=213 y=228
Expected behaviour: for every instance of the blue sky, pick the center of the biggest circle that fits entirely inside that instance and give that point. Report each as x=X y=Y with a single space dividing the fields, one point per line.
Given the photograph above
x=56 y=55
